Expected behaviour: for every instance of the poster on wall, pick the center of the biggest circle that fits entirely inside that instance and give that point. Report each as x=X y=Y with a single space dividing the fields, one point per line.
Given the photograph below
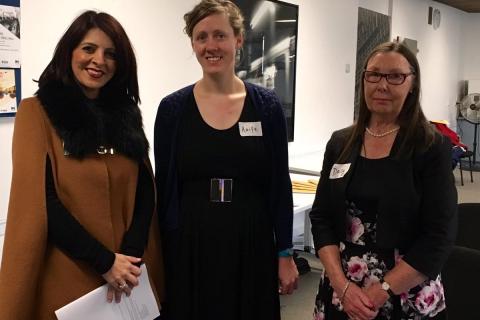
x=268 y=57
x=8 y=94
x=9 y=37
x=10 y=64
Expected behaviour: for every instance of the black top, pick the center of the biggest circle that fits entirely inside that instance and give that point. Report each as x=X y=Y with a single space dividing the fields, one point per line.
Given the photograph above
x=364 y=262
x=167 y=129
x=210 y=234
x=417 y=206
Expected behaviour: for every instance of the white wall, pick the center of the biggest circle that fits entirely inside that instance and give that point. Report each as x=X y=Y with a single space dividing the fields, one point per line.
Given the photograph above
x=324 y=97
x=166 y=62
x=164 y=55
x=326 y=44
x=155 y=27
x=440 y=53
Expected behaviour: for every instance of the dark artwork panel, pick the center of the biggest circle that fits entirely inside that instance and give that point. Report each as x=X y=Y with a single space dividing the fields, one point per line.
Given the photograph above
x=268 y=57
x=373 y=29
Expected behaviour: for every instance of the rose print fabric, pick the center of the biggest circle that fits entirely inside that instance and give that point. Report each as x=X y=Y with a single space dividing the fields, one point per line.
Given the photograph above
x=365 y=264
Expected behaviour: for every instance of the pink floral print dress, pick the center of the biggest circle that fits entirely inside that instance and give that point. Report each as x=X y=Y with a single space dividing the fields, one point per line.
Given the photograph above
x=365 y=264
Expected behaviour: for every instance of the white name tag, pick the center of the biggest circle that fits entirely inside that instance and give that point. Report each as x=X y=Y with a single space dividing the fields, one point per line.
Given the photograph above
x=339 y=170
x=250 y=129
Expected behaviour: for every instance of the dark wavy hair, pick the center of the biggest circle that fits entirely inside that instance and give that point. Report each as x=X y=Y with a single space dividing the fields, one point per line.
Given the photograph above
x=416 y=132
x=124 y=82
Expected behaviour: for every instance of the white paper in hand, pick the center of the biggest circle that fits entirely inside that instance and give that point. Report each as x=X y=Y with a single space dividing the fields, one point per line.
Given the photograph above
x=141 y=305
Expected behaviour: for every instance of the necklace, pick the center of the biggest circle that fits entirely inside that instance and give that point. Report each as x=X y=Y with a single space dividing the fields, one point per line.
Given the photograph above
x=380 y=135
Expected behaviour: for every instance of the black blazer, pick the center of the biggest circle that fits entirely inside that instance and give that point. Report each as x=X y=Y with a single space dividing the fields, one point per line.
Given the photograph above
x=417 y=212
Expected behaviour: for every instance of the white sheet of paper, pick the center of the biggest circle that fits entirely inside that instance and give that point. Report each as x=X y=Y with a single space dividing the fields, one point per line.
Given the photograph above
x=141 y=305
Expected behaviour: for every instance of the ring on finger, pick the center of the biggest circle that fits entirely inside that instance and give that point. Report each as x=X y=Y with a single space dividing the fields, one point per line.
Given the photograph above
x=122 y=285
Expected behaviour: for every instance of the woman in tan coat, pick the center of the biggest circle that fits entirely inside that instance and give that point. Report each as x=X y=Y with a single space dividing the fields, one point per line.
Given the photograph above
x=82 y=194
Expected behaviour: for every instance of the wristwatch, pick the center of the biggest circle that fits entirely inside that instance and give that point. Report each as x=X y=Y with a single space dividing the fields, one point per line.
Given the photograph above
x=386 y=287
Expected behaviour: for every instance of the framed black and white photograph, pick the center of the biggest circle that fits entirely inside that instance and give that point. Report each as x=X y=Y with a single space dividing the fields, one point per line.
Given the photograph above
x=268 y=57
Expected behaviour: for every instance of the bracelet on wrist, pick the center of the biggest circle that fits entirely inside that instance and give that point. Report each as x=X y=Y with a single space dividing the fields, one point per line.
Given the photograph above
x=286 y=253
x=344 y=291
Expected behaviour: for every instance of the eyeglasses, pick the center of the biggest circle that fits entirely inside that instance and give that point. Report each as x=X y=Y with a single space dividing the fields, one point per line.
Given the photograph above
x=392 y=78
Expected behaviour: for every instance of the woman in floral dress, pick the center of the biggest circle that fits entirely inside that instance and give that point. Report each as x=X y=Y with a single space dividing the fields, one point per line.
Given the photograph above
x=384 y=216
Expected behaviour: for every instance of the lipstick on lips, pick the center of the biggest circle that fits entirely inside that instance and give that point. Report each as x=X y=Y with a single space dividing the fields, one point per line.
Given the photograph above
x=94 y=73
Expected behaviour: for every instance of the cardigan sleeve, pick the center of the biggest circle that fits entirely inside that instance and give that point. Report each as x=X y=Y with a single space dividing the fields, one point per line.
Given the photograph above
x=283 y=199
x=166 y=126
x=321 y=215
x=438 y=211
x=162 y=147
x=26 y=229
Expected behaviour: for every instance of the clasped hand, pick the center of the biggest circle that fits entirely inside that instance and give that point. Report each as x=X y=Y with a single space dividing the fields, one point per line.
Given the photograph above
x=122 y=276
x=364 y=304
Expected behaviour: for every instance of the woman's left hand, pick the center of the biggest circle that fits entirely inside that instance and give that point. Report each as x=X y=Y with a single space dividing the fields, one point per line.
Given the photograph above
x=287 y=275
x=116 y=293
x=122 y=276
x=377 y=295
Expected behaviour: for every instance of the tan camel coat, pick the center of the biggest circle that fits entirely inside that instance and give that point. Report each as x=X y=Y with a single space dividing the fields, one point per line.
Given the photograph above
x=36 y=278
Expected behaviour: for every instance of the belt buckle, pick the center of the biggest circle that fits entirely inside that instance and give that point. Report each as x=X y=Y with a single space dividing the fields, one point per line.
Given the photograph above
x=221 y=190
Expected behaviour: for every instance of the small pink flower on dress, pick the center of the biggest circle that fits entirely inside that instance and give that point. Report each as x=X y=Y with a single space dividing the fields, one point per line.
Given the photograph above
x=439 y=286
x=355 y=230
x=357 y=268
x=336 y=302
x=319 y=316
x=441 y=305
x=428 y=298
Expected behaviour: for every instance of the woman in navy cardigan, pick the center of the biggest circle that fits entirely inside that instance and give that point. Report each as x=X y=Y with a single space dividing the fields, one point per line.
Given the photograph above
x=224 y=191
x=384 y=216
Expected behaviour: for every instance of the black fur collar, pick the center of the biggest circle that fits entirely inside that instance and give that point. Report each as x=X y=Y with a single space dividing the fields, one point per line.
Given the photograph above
x=84 y=125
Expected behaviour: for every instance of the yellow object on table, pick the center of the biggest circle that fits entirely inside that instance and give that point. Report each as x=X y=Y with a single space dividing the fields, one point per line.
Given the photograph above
x=309 y=186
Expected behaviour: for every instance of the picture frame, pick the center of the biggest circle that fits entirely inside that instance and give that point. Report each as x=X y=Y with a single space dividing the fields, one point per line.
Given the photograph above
x=269 y=54
x=10 y=65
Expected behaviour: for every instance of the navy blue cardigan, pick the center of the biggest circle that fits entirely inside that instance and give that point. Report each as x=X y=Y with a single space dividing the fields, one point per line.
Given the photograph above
x=269 y=108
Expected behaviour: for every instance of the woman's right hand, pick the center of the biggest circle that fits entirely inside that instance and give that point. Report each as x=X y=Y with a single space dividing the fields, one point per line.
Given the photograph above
x=122 y=276
x=357 y=305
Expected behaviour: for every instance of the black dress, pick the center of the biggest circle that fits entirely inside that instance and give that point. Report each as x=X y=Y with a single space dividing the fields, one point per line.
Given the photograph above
x=365 y=263
x=225 y=266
